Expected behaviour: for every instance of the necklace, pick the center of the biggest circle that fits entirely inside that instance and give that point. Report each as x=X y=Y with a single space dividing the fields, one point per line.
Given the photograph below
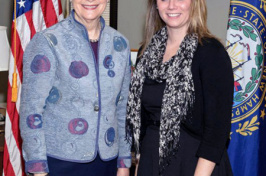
x=94 y=40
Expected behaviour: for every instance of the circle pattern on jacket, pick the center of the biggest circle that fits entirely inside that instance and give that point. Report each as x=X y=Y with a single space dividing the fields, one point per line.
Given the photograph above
x=34 y=121
x=111 y=73
x=78 y=126
x=52 y=39
x=108 y=63
x=119 y=43
x=54 y=95
x=40 y=64
x=71 y=44
x=110 y=136
x=78 y=69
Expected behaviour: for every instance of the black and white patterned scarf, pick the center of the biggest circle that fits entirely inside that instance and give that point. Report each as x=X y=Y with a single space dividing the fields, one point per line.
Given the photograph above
x=178 y=97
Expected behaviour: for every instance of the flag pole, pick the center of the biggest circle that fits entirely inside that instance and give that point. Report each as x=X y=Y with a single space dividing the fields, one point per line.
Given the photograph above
x=14 y=80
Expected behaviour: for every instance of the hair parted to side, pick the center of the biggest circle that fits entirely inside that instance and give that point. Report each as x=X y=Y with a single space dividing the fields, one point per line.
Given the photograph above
x=197 y=21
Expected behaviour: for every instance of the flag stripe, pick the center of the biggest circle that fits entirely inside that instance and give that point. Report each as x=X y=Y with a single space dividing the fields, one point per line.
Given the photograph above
x=28 y=16
x=7 y=166
x=11 y=70
x=49 y=11
x=61 y=15
x=13 y=117
x=37 y=15
x=14 y=120
x=58 y=9
x=55 y=2
x=23 y=30
x=19 y=53
x=12 y=139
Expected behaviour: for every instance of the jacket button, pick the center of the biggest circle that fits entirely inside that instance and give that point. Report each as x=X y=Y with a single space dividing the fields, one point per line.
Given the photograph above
x=96 y=108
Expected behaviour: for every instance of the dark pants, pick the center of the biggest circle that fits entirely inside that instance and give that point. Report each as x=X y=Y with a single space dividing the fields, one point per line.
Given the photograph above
x=97 y=167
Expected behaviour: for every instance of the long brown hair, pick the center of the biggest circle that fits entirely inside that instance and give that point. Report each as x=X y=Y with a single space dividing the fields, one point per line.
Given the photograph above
x=197 y=21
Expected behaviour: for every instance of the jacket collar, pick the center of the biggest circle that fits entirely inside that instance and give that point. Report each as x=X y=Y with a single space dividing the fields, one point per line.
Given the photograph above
x=81 y=26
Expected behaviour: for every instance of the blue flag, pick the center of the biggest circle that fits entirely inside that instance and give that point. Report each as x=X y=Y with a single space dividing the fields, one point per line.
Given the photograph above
x=246 y=45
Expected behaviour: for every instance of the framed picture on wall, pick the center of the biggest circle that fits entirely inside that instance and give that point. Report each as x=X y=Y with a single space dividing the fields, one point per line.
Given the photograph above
x=109 y=15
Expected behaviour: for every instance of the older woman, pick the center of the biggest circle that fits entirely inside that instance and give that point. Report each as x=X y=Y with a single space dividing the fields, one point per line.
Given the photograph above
x=181 y=94
x=74 y=95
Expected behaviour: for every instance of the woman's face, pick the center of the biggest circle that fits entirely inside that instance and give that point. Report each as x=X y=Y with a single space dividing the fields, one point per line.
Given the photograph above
x=89 y=10
x=175 y=13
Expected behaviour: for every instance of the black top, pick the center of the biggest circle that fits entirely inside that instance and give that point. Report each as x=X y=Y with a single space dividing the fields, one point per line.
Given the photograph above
x=213 y=81
x=151 y=103
x=151 y=99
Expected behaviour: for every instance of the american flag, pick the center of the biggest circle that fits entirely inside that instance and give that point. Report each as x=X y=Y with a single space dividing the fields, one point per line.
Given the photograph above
x=31 y=16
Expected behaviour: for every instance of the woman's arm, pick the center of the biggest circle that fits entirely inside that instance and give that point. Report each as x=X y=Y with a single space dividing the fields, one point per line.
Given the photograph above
x=216 y=76
x=204 y=167
x=39 y=67
x=124 y=147
x=123 y=172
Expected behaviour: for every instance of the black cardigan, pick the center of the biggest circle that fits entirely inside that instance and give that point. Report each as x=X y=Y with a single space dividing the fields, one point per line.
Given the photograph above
x=214 y=83
x=214 y=88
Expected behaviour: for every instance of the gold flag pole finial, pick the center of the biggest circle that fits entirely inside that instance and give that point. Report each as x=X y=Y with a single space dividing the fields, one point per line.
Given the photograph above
x=14 y=78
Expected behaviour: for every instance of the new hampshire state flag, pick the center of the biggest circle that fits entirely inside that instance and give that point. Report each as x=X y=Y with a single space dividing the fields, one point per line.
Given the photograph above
x=246 y=45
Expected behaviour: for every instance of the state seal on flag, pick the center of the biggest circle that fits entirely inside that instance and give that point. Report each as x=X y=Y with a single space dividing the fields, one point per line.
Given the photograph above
x=246 y=47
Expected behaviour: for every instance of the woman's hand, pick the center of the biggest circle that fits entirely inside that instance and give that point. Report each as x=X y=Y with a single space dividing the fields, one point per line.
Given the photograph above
x=42 y=174
x=123 y=172
x=204 y=167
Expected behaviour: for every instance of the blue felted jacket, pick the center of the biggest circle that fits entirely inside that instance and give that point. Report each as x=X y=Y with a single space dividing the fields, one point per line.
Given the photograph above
x=71 y=107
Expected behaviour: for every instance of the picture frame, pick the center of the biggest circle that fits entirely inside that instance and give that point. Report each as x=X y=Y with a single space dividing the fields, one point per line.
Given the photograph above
x=113 y=13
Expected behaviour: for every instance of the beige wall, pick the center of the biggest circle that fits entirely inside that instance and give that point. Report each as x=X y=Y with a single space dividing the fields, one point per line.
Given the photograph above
x=218 y=16
x=131 y=20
